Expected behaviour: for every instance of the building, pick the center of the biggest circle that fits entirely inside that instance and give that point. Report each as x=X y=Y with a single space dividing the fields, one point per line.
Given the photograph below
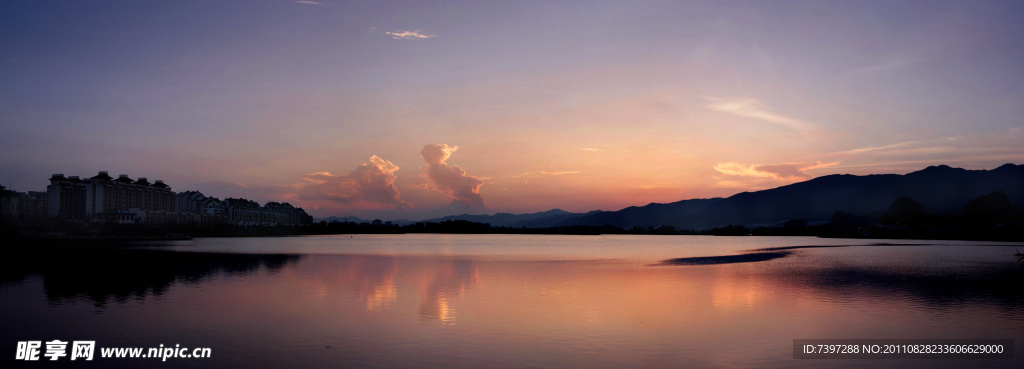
x=66 y=197
x=8 y=205
x=250 y=213
x=107 y=196
x=189 y=201
x=127 y=201
x=289 y=214
x=196 y=208
x=32 y=205
x=22 y=206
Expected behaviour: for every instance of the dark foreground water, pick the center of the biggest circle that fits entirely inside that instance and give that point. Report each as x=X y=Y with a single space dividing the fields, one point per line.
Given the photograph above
x=510 y=300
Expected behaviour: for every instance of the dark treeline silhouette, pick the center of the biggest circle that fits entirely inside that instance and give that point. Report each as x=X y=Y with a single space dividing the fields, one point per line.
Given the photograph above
x=468 y=227
x=988 y=217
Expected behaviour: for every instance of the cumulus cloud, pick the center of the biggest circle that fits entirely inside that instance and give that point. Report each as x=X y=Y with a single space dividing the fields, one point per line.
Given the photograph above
x=779 y=172
x=450 y=179
x=370 y=185
x=409 y=35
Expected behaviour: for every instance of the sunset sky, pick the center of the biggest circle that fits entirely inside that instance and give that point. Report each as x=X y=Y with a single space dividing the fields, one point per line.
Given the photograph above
x=421 y=108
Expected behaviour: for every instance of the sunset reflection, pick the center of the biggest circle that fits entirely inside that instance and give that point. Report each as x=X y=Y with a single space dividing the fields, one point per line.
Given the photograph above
x=442 y=285
x=389 y=311
x=371 y=279
x=382 y=283
x=383 y=295
x=736 y=292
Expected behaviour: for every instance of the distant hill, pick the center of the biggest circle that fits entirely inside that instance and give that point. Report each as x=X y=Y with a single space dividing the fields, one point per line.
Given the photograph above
x=544 y=219
x=652 y=214
x=941 y=189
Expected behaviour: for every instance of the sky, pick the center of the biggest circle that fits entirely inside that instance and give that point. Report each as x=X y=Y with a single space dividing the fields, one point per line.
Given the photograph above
x=415 y=109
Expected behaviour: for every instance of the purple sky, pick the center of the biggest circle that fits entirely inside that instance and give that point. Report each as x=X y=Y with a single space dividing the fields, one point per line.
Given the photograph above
x=415 y=109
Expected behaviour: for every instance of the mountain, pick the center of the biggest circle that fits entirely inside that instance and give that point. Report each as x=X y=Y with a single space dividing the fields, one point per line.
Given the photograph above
x=531 y=220
x=941 y=189
x=652 y=214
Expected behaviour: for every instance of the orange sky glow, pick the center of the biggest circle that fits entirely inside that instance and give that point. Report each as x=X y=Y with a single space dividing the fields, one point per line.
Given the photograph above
x=338 y=108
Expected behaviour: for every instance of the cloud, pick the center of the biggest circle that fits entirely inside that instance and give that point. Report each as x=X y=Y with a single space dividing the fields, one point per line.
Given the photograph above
x=306 y=2
x=750 y=108
x=370 y=185
x=450 y=179
x=409 y=35
x=862 y=150
x=558 y=172
x=591 y=149
x=977 y=150
x=778 y=172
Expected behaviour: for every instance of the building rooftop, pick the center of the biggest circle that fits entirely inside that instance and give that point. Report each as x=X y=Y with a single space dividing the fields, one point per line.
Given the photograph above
x=103 y=176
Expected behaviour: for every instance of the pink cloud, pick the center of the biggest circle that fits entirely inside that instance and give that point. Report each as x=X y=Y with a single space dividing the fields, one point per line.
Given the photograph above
x=450 y=179
x=778 y=172
x=370 y=186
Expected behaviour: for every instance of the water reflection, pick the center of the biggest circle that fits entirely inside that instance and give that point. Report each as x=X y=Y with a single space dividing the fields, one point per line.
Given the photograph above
x=371 y=278
x=104 y=275
x=442 y=285
x=997 y=284
x=429 y=287
x=356 y=310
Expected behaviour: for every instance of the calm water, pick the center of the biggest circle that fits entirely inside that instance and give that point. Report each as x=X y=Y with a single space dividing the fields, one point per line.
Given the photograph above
x=511 y=300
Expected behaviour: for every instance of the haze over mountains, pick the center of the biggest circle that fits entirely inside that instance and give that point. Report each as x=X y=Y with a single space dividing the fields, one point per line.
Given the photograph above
x=941 y=189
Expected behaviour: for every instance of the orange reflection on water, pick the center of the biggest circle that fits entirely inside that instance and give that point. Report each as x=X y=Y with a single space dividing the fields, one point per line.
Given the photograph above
x=381 y=283
x=733 y=291
x=442 y=283
x=383 y=294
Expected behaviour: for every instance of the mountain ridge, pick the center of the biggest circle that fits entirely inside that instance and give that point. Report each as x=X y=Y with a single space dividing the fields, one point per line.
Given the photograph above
x=941 y=189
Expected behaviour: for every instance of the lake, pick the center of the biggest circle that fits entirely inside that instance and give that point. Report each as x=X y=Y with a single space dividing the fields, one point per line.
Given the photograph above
x=483 y=301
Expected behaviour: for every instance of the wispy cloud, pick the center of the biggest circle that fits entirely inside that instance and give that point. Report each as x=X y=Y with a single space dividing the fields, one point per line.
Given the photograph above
x=750 y=108
x=976 y=150
x=861 y=150
x=558 y=172
x=778 y=172
x=654 y=186
x=591 y=149
x=409 y=35
x=306 y=2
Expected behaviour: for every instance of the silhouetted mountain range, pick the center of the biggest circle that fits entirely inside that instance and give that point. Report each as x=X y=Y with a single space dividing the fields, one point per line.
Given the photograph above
x=653 y=214
x=941 y=189
x=531 y=220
